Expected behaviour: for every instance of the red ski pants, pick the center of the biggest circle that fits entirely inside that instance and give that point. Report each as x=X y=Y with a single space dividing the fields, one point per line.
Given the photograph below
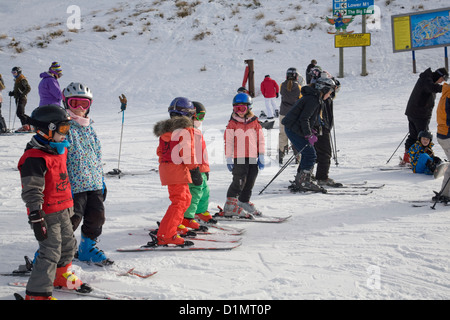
x=180 y=197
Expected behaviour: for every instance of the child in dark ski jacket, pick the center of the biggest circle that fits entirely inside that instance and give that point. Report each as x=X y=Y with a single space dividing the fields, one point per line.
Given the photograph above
x=421 y=154
x=47 y=195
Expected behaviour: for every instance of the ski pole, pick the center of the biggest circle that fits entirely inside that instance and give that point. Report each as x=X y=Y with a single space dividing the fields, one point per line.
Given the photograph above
x=123 y=106
x=283 y=167
x=9 y=116
x=334 y=146
x=397 y=148
x=440 y=193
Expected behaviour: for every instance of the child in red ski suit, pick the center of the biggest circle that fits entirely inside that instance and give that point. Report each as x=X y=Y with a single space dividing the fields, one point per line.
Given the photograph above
x=177 y=167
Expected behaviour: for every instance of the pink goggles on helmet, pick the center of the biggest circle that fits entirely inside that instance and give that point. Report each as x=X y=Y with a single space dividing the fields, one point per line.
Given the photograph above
x=76 y=103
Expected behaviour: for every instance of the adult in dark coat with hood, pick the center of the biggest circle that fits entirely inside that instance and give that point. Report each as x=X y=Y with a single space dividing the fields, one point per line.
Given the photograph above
x=299 y=125
x=421 y=103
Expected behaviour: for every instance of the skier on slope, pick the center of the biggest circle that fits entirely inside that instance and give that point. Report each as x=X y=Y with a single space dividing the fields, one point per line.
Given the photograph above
x=323 y=145
x=270 y=90
x=20 y=92
x=443 y=135
x=177 y=168
x=421 y=154
x=244 y=151
x=49 y=90
x=299 y=125
x=47 y=195
x=200 y=194
x=290 y=93
x=84 y=164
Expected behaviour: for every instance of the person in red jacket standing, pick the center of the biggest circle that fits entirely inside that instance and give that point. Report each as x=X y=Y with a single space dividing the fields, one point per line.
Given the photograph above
x=270 y=90
x=177 y=168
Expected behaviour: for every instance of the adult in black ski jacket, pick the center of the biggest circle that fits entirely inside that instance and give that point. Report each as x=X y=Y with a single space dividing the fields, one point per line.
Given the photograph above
x=299 y=125
x=421 y=103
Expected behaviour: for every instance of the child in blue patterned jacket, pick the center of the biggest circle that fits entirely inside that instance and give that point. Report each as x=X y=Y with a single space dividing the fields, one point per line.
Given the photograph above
x=421 y=154
x=84 y=165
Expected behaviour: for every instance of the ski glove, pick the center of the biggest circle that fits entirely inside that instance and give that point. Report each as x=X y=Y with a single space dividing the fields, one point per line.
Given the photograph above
x=311 y=139
x=38 y=224
x=261 y=162
x=196 y=176
x=230 y=164
x=123 y=102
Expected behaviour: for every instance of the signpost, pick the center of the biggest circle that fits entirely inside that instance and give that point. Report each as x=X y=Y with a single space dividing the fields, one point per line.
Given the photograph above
x=421 y=30
x=352 y=8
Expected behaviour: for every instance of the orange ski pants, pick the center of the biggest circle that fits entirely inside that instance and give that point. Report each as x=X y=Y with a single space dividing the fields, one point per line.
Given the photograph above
x=180 y=197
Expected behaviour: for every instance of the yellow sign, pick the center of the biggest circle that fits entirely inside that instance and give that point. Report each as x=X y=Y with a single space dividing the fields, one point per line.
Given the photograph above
x=352 y=40
x=401 y=29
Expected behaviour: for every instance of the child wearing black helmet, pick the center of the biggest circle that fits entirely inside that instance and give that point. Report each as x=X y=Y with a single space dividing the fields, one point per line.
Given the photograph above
x=421 y=154
x=47 y=195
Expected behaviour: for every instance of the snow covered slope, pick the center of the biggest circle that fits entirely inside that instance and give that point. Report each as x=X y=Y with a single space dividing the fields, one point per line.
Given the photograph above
x=334 y=247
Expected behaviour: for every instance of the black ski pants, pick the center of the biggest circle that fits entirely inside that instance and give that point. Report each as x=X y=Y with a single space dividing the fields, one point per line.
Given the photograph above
x=323 y=151
x=244 y=177
x=88 y=206
x=415 y=126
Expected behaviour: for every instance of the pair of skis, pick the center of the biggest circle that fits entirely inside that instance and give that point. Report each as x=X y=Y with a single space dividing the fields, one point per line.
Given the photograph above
x=357 y=188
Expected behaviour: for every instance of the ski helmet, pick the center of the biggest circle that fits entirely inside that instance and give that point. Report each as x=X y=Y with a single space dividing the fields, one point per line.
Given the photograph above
x=181 y=106
x=200 y=110
x=325 y=85
x=292 y=74
x=49 y=119
x=242 y=98
x=17 y=69
x=425 y=134
x=76 y=90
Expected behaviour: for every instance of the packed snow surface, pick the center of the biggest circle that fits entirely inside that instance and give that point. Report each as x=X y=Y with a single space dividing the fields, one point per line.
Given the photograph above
x=373 y=246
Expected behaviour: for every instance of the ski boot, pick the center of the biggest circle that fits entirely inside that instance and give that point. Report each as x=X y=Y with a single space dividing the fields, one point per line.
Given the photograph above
x=206 y=217
x=88 y=251
x=65 y=278
x=405 y=161
x=165 y=241
x=185 y=232
x=329 y=182
x=304 y=183
x=249 y=208
x=231 y=209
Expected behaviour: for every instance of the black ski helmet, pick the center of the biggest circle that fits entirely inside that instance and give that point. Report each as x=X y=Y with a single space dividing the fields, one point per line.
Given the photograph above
x=325 y=85
x=292 y=74
x=17 y=69
x=49 y=119
x=425 y=134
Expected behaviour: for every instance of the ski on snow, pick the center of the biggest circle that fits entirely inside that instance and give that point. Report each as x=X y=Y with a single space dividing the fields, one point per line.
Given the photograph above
x=198 y=246
x=196 y=235
x=330 y=191
x=119 y=173
x=98 y=294
x=219 y=216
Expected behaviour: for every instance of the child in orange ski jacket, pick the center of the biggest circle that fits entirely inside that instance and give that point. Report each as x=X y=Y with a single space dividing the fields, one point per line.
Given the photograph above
x=177 y=167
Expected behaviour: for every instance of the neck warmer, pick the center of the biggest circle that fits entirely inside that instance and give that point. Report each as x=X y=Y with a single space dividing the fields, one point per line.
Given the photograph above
x=59 y=146
x=82 y=121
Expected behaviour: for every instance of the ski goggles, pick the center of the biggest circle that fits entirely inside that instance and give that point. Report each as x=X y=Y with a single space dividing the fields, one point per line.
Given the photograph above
x=200 y=116
x=62 y=128
x=240 y=108
x=76 y=103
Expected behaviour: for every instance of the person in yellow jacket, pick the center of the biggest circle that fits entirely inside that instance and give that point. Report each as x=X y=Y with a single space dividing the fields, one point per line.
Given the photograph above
x=443 y=135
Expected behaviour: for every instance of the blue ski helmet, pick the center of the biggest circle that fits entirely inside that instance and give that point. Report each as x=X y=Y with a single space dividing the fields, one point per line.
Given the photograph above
x=242 y=98
x=181 y=106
